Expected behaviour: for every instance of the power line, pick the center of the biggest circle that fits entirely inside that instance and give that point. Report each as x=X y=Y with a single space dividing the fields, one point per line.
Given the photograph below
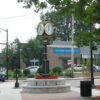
x=14 y=17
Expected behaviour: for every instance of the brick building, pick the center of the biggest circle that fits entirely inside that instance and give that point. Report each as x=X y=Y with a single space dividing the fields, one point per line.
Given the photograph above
x=59 y=53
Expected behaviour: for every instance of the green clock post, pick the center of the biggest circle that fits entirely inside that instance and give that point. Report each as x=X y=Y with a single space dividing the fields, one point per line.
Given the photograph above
x=45 y=31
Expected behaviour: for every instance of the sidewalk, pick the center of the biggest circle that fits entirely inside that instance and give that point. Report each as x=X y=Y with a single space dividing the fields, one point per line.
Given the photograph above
x=73 y=95
x=8 y=92
x=52 y=96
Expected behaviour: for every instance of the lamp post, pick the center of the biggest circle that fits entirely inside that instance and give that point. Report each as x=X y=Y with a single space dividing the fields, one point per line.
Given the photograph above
x=45 y=30
x=91 y=63
x=16 y=72
x=17 y=65
x=7 y=57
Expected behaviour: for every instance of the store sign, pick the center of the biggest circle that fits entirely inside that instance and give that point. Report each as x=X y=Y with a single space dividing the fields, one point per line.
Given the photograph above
x=65 y=50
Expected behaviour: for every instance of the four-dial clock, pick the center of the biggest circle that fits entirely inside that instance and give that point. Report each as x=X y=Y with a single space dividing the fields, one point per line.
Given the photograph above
x=49 y=28
x=40 y=29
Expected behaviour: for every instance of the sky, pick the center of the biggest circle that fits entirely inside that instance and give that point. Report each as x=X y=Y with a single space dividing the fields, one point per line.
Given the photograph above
x=20 y=22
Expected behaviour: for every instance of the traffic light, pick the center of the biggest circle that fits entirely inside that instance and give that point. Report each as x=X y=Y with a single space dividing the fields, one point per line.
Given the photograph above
x=7 y=57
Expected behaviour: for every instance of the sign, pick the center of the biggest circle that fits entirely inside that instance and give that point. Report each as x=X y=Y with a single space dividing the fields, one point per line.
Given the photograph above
x=65 y=50
x=34 y=60
x=69 y=62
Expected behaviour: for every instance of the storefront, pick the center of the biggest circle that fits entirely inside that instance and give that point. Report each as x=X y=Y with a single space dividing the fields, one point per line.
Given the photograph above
x=60 y=55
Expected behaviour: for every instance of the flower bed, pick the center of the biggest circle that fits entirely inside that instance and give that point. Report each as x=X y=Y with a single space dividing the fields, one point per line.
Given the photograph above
x=46 y=77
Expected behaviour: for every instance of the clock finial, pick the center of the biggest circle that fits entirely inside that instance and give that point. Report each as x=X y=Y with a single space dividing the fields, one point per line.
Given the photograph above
x=44 y=18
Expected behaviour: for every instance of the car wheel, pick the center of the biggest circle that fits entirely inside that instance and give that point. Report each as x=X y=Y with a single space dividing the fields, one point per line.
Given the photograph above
x=3 y=80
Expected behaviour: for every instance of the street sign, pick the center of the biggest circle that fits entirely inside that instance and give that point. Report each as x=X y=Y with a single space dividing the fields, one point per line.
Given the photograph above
x=69 y=62
x=34 y=60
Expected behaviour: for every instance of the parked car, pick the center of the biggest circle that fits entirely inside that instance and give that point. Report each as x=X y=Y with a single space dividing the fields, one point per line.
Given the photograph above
x=96 y=68
x=2 y=77
x=33 y=69
x=78 y=67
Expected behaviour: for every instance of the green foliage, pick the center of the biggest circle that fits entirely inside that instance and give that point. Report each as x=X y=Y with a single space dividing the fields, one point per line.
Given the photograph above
x=31 y=75
x=10 y=73
x=67 y=73
x=40 y=70
x=57 y=69
x=88 y=65
x=88 y=11
x=26 y=72
x=57 y=74
x=18 y=72
x=31 y=50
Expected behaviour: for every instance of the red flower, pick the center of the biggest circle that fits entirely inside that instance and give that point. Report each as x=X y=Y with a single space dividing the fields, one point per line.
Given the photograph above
x=46 y=77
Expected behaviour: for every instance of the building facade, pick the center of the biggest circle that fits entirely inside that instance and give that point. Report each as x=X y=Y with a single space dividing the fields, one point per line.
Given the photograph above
x=60 y=54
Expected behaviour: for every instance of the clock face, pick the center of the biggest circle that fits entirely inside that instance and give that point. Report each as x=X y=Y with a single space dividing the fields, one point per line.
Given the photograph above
x=49 y=29
x=40 y=29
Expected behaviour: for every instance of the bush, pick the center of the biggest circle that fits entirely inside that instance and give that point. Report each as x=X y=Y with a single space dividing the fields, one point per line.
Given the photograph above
x=40 y=70
x=31 y=75
x=26 y=72
x=57 y=69
x=18 y=72
x=10 y=74
x=57 y=74
x=67 y=73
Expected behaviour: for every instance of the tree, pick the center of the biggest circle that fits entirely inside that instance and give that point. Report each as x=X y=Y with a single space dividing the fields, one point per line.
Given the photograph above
x=12 y=51
x=62 y=25
x=85 y=10
x=31 y=50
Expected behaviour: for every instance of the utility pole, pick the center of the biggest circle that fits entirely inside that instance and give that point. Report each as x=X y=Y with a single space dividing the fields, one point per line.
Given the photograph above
x=7 y=57
x=72 y=47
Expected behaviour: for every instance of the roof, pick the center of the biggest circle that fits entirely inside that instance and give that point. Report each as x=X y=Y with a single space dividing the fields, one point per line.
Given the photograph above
x=85 y=50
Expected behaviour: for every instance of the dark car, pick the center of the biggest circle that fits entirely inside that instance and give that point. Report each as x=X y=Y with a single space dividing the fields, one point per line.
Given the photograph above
x=3 y=77
x=96 y=68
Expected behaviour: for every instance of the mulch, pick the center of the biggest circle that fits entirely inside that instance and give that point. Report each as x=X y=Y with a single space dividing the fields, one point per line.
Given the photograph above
x=97 y=87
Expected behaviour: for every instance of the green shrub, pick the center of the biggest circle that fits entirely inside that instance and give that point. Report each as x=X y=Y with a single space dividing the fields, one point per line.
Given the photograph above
x=57 y=74
x=26 y=72
x=57 y=69
x=18 y=72
x=40 y=70
x=10 y=74
x=31 y=75
x=67 y=73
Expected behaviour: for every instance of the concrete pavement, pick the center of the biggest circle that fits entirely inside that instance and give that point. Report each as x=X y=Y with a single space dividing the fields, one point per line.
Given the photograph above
x=8 y=92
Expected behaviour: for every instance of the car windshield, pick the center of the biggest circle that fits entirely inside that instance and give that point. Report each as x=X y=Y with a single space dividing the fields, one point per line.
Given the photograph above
x=32 y=67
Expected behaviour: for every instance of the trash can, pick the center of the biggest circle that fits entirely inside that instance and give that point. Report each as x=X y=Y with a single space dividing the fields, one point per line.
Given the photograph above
x=85 y=88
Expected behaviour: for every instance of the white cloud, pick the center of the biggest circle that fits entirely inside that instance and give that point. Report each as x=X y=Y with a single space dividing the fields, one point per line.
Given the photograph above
x=20 y=22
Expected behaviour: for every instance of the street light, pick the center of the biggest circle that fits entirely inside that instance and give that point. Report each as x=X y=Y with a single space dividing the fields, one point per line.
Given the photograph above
x=17 y=64
x=45 y=30
x=91 y=63
x=7 y=58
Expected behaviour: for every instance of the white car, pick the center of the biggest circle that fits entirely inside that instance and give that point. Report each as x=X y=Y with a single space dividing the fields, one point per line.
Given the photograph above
x=78 y=67
x=33 y=69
